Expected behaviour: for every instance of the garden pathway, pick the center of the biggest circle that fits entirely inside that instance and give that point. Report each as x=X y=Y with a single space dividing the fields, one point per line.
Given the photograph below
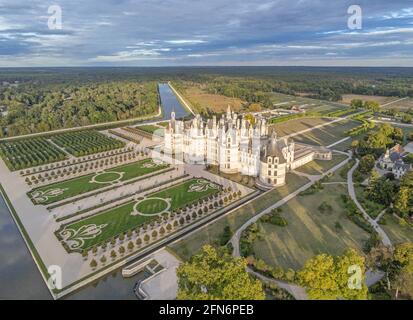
x=384 y=238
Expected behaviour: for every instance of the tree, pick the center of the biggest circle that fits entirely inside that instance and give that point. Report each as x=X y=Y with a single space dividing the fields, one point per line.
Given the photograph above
x=404 y=200
x=367 y=163
x=214 y=274
x=93 y=264
x=380 y=190
x=356 y=103
x=372 y=105
x=327 y=277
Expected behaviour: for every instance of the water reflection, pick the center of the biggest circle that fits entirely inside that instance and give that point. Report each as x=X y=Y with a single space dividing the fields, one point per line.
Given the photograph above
x=19 y=276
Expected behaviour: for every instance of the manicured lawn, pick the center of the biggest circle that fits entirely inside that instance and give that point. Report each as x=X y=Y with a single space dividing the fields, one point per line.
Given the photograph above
x=396 y=232
x=76 y=186
x=151 y=129
x=119 y=220
x=328 y=134
x=309 y=232
x=211 y=233
x=320 y=166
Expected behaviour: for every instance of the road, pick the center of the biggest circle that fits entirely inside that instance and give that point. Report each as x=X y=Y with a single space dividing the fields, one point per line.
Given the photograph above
x=293 y=289
x=384 y=238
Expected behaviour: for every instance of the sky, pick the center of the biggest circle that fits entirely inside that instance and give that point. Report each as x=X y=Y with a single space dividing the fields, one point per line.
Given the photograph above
x=205 y=32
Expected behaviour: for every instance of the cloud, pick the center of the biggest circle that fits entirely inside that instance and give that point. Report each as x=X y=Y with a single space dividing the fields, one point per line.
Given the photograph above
x=185 y=41
x=182 y=32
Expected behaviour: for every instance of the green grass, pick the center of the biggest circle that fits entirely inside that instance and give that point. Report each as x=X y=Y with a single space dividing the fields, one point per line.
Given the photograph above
x=309 y=232
x=371 y=207
x=151 y=129
x=396 y=232
x=317 y=167
x=119 y=219
x=295 y=125
x=80 y=185
x=211 y=233
x=328 y=134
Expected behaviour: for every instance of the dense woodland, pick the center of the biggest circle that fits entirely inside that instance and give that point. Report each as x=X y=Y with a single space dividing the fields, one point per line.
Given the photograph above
x=39 y=108
x=38 y=100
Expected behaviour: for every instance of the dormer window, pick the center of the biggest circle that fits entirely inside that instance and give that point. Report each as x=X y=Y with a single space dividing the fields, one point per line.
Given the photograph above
x=269 y=160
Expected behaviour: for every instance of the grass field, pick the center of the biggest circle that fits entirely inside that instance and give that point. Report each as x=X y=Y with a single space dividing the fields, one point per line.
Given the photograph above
x=309 y=104
x=380 y=99
x=212 y=233
x=403 y=105
x=76 y=186
x=151 y=129
x=118 y=220
x=328 y=134
x=317 y=167
x=396 y=232
x=309 y=231
x=295 y=125
x=214 y=102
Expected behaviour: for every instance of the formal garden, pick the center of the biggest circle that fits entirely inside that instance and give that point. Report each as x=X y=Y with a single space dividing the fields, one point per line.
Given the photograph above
x=85 y=142
x=69 y=188
x=25 y=153
x=146 y=218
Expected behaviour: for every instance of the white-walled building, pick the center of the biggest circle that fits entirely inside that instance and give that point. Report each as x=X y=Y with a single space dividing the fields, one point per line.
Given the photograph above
x=236 y=145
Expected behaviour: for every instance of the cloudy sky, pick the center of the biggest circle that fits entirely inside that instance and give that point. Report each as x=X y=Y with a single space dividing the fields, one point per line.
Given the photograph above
x=206 y=32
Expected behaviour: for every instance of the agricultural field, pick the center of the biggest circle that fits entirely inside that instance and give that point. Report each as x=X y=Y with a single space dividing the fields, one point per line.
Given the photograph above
x=214 y=102
x=113 y=222
x=212 y=233
x=69 y=188
x=82 y=143
x=309 y=231
x=30 y=152
x=328 y=134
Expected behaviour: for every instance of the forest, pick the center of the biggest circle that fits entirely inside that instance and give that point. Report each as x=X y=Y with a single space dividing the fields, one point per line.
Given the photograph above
x=43 y=99
x=34 y=107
